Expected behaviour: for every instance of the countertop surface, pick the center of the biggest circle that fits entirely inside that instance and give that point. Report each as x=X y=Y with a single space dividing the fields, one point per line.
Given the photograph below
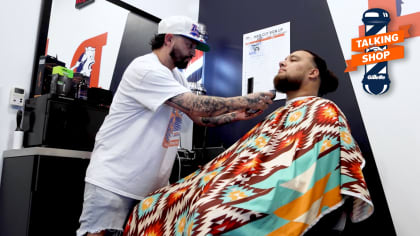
x=46 y=152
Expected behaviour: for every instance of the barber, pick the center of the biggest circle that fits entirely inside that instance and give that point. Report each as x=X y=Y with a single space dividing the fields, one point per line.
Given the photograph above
x=136 y=145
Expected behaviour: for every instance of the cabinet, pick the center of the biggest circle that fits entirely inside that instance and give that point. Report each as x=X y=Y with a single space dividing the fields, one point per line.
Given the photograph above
x=41 y=192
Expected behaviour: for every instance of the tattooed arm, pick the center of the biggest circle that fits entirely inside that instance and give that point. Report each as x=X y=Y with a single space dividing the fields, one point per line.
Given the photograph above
x=225 y=118
x=196 y=106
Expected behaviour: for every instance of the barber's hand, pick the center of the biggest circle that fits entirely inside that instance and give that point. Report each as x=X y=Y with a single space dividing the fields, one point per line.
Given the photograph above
x=246 y=115
x=259 y=101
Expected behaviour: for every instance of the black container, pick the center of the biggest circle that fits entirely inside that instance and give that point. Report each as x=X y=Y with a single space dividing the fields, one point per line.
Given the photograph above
x=61 y=122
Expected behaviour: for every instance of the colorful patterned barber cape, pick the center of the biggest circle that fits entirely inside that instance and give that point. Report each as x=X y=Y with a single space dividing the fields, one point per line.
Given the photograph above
x=281 y=178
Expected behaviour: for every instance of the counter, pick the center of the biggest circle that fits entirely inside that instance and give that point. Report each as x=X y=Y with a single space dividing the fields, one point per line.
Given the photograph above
x=42 y=191
x=56 y=152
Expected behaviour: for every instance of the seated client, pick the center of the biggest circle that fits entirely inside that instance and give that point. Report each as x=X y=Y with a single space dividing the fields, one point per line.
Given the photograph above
x=283 y=177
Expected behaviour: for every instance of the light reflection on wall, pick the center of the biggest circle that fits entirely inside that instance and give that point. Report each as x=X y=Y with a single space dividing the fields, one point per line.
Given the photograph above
x=224 y=70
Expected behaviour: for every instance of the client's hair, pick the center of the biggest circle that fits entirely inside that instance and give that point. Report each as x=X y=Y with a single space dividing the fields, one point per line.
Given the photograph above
x=329 y=82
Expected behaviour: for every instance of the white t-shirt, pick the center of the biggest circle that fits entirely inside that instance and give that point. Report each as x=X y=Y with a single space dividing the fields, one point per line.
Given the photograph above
x=136 y=145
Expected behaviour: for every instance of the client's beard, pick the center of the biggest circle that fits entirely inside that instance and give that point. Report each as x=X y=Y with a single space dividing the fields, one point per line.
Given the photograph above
x=284 y=85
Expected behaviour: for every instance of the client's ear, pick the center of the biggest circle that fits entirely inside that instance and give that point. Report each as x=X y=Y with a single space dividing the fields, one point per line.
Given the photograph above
x=314 y=74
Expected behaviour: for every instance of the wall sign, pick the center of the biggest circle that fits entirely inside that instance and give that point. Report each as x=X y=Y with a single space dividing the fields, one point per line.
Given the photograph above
x=83 y=3
x=262 y=51
x=377 y=45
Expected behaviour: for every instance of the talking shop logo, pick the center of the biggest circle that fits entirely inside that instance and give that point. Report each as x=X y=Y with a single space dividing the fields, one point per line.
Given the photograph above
x=377 y=47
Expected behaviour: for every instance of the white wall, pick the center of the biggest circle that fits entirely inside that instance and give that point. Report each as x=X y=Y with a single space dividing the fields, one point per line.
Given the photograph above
x=164 y=8
x=391 y=120
x=19 y=31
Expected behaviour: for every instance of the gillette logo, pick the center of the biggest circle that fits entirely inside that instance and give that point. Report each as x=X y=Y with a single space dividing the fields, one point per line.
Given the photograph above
x=376 y=77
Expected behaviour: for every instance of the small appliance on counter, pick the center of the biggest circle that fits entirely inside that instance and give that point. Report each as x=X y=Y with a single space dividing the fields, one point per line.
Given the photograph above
x=62 y=122
x=62 y=81
x=44 y=75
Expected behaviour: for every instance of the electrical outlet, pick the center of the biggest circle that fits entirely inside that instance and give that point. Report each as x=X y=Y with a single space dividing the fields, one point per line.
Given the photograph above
x=17 y=97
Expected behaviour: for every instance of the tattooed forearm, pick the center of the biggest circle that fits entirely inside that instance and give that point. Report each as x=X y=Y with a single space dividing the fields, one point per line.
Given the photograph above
x=217 y=120
x=208 y=106
x=216 y=105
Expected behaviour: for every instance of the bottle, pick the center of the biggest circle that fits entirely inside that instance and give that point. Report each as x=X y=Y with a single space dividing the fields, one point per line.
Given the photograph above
x=18 y=133
x=82 y=89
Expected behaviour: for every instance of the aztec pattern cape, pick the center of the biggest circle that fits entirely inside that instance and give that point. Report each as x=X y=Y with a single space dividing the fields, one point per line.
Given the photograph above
x=280 y=178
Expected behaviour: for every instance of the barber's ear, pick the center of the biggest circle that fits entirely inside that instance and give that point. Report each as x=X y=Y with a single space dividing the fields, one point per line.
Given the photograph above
x=313 y=74
x=169 y=38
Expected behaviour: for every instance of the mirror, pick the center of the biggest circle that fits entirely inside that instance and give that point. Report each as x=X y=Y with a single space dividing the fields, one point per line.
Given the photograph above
x=98 y=40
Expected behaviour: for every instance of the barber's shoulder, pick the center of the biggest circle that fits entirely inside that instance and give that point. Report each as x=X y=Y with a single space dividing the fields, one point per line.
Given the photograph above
x=144 y=61
x=182 y=102
x=151 y=70
x=187 y=96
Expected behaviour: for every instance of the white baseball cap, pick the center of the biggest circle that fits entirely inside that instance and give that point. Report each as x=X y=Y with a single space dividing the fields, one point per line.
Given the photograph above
x=184 y=26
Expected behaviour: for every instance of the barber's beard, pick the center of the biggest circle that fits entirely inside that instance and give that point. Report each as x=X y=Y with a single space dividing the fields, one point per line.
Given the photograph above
x=180 y=60
x=285 y=85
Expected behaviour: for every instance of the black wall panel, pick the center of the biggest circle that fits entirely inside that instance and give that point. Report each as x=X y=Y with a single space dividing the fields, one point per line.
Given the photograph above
x=311 y=28
x=138 y=32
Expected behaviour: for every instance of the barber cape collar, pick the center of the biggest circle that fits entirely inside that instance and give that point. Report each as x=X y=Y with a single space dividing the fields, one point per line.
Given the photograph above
x=185 y=26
